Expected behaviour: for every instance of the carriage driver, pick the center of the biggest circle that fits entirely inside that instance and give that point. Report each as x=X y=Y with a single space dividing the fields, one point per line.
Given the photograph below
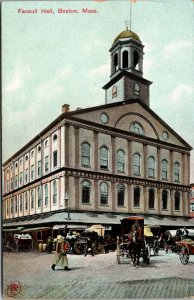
x=137 y=228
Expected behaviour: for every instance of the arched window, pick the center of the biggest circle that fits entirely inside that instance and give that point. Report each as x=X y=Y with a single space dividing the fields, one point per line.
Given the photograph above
x=85 y=153
x=115 y=62
x=136 y=164
x=103 y=193
x=151 y=198
x=120 y=194
x=176 y=172
x=164 y=199
x=46 y=195
x=114 y=91
x=136 y=89
x=136 y=197
x=104 y=158
x=39 y=197
x=86 y=192
x=177 y=201
x=164 y=169
x=32 y=199
x=151 y=167
x=135 y=60
x=54 y=192
x=26 y=201
x=121 y=161
x=136 y=127
x=54 y=137
x=21 y=203
x=125 y=59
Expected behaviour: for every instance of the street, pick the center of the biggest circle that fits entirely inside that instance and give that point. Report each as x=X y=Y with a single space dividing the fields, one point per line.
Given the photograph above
x=98 y=277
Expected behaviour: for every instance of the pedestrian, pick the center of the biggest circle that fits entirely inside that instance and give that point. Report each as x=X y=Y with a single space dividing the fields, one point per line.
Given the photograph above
x=50 y=244
x=185 y=232
x=89 y=247
x=60 y=258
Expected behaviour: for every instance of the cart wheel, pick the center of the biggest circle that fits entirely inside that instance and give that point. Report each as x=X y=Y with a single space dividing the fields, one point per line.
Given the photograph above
x=98 y=248
x=79 y=248
x=184 y=254
x=146 y=257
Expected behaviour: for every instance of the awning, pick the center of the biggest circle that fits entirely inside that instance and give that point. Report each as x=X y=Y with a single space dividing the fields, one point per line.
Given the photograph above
x=37 y=229
x=70 y=226
x=87 y=219
x=18 y=229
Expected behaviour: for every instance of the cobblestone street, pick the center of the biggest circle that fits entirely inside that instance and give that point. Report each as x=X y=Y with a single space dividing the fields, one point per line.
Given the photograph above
x=97 y=277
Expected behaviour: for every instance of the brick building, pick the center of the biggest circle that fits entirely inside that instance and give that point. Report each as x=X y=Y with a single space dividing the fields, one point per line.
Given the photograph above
x=99 y=164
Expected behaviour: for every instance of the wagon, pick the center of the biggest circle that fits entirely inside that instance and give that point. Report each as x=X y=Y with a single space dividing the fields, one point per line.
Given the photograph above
x=130 y=247
x=186 y=248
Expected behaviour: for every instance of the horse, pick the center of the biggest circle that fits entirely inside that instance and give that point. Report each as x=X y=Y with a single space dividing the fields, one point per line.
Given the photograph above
x=135 y=246
x=169 y=241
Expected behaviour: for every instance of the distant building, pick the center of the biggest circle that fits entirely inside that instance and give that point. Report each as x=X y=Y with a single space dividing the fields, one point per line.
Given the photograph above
x=192 y=201
x=99 y=164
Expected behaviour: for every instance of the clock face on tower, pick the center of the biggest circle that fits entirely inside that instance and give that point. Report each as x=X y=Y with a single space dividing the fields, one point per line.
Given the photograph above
x=104 y=118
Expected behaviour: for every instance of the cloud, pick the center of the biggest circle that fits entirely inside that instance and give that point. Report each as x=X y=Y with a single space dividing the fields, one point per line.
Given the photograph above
x=177 y=45
x=100 y=70
x=89 y=48
x=181 y=92
x=20 y=76
x=55 y=85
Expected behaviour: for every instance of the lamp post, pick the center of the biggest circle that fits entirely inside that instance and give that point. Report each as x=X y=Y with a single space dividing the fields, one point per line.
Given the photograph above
x=68 y=206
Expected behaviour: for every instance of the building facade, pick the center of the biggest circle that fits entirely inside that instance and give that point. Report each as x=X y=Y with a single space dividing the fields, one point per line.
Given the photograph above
x=119 y=158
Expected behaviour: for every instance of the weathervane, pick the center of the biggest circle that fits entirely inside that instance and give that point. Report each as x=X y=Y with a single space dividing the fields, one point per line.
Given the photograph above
x=127 y=22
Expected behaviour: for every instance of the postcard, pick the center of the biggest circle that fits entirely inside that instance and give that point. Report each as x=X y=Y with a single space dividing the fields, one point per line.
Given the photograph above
x=97 y=149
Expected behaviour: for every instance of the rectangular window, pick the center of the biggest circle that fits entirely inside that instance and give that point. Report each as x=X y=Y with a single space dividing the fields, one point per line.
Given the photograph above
x=11 y=183
x=39 y=197
x=11 y=205
x=26 y=175
x=16 y=205
x=39 y=168
x=192 y=207
x=55 y=159
x=21 y=178
x=21 y=204
x=164 y=174
x=16 y=181
x=32 y=172
x=46 y=164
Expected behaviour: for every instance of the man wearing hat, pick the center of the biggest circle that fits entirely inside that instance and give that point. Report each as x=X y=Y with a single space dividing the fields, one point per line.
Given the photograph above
x=60 y=258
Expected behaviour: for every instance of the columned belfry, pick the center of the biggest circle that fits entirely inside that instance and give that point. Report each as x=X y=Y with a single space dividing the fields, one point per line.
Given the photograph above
x=126 y=79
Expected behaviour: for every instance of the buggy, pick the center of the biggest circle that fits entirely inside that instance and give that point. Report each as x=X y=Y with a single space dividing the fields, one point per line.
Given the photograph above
x=132 y=245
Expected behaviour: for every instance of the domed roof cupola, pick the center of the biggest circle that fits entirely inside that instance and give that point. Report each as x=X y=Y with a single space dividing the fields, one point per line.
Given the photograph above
x=126 y=34
x=126 y=78
x=127 y=53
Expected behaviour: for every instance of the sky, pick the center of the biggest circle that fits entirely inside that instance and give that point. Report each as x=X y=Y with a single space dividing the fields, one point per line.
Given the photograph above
x=49 y=60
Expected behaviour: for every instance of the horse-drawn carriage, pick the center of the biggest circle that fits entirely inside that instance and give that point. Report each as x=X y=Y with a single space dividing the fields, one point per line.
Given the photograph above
x=186 y=248
x=151 y=233
x=132 y=245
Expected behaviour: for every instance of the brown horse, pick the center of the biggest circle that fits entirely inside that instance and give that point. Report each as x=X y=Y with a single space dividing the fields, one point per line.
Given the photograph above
x=135 y=246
